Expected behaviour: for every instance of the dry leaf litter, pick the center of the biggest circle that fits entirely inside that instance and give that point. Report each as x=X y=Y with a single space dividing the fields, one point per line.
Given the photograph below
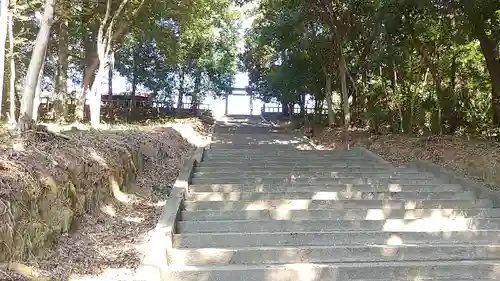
x=80 y=206
x=476 y=159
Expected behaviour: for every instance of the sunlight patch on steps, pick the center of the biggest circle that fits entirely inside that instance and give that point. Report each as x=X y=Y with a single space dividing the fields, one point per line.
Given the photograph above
x=429 y=224
x=290 y=205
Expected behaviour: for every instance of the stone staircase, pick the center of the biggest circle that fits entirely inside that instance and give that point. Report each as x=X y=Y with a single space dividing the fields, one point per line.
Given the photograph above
x=261 y=209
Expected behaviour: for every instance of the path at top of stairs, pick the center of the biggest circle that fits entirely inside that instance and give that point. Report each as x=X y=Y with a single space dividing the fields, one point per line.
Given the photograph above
x=261 y=209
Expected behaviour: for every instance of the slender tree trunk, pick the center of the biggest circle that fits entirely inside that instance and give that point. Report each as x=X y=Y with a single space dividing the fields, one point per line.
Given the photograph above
x=95 y=95
x=345 y=97
x=38 y=93
x=328 y=97
x=111 y=69
x=12 y=84
x=181 y=89
x=4 y=14
x=134 y=73
x=88 y=75
x=37 y=59
x=302 y=104
x=61 y=104
x=195 y=97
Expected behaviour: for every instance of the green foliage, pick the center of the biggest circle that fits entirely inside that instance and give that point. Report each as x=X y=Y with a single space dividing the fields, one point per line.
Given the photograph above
x=196 y=41
x=412 y=65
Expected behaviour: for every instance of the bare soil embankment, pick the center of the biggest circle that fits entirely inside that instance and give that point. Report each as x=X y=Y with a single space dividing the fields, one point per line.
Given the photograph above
x=81 y=203
x=475 y=158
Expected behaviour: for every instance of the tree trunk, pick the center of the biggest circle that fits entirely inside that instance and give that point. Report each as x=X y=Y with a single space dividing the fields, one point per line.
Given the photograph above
x=37 y=59
x=398 y=127
x=4 y=12
x=38 y=93
x=90 y=62
x=88 y=75
x=181 y=89
x=328 y=97
x=111 y=69
x=12 y=84
x=302 y=104
x=491 y=54
x=195 y=97
x=61 y=103
x=96 y=94
x=134 y=75
x=345 y=97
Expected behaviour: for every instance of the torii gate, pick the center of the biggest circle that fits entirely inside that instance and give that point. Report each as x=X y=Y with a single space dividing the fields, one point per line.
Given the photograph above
x=248 y=92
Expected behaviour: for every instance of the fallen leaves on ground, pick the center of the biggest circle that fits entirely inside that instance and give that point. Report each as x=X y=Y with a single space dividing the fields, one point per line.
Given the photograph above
x=107 y=243
x=474 y=158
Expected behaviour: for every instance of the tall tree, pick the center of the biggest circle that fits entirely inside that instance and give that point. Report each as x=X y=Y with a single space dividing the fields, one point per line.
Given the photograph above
x=36 y=62
x=4 y=14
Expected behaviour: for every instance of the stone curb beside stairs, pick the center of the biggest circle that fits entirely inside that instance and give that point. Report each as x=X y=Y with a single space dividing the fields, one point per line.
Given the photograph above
x=157 y=256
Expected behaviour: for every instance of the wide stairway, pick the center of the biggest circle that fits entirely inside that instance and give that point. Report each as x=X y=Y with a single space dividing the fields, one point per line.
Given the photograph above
x=261 y=209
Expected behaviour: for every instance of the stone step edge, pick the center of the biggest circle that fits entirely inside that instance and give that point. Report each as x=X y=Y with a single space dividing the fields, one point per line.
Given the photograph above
x=389 y=265
x=451 y=177
x=340 y=246
x=374 y=233
x=364 y=214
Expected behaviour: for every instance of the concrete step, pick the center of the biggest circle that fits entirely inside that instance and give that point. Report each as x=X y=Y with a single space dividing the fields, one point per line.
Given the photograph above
x=207 y=168
x=289 y=158
x=312 y=181
x=248 y=130
x=243 y=145
x=332 y=254
x=325 y=187
x=380 y=271
x=351 y=214
x=271 y=150
x=238 y=196
x=269 y=239
x=314 y=174
x=297 y=166
x=299 y=204
x=294 y=162
x=274 y=154
x=390 y=225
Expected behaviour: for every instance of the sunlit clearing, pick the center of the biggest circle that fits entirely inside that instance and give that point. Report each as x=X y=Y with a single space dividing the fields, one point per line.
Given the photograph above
x=326 y=196
x=428 y=225
x=98 y=158
x=160 y=203
x=376 y=214
x=285 y=205
x=23 y=270
x=190 y=134
x=495 y=274
x=118 y=194
x=395 y=187
x=394 y=240
x=282 y=214
x=305 y=147
x=181 y=183
x=18 y=146
x=133 y=219
x=410 y=205
x=303 y=271
x=108 y=209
